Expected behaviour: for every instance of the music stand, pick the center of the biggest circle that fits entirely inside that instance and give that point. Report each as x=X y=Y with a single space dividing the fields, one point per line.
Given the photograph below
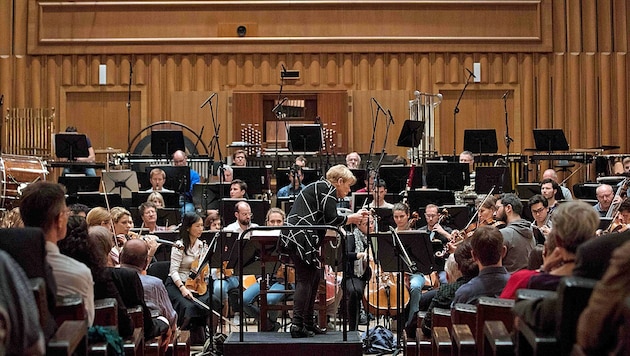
x=550 y=140
x=168 y=216
x=208 y=195
x=418 y=199
x=177 y=177
x=171 y=200
x=385 y=218
x=447 y=175
x=488 y=177
x=255 y=177
x=418 y=247
x=71 y=145
x=396 y=177
x=282 y=176
x=166 y=142
x=305 y=138
x=98 y=199
x=411 y=134
x=75 y=185
x=360 y=175
x=259 y=209
x=125 y=181
x=481 y=141
x=163 y=252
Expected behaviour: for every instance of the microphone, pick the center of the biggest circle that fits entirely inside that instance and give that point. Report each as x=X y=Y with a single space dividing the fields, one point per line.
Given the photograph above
x=417 y=93
x=471 y=73
x=379 y=105
x=207 y=100
x=440 y=96
x=505 y=95
x=391 y=118
x=279 y=105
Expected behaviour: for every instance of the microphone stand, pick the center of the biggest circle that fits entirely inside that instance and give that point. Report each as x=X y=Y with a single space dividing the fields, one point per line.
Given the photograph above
x=277 y=111
x=401 y=256
x=508 y=139
x=456 y=111
x=129 y=106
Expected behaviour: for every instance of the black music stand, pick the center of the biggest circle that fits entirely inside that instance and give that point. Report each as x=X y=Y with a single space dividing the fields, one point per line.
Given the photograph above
x=209 y=195
x=254 y=176
x=75 y=185
x=481 y=141
x=305 y=138
x=411 y=134
x=166 y=142
x=177 y=177
x=168 y=216
x=98 y=199
x=550 y=140
x=259 y=209
x=418 y=199
x=71 y=146
x=385 y=218
x=418 y=247
x=447 y=175
x=396 y=177
x=282 y=177
x=171 y=200
x=125 y=181
x=488 y=177
x=360 y=175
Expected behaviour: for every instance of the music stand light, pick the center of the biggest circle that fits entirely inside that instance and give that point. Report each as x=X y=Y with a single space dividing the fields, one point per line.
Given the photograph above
x=447 y=175
x=166 y=142
x=411 y=134
x=305 y=138
x=125 y=181
x=481 y=141
x=550 y=140
x=488 y=177
x=71 y=146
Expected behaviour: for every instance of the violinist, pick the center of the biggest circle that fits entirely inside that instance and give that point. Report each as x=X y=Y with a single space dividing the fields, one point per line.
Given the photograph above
x=191 y=316
x=123 y=223
x=433 y=226
x=605 y=196
x=517 y=234
x=622 y=221
x=357 y=272
x=401 y=217
x=542 y=219
x=485 y=216
x=148 y=212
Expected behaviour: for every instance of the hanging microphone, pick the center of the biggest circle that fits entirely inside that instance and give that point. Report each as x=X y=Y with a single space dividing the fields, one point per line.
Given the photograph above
x=505 y=95
x=471 y=73
x=440 y=96
x=417 y=93
x=391 y=118
x=207 y=100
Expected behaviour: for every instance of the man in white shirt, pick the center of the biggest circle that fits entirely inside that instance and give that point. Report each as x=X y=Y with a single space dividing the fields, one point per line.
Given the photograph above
x=157 y=177
x=243 y=213
x=43 y=205
x=379 y=196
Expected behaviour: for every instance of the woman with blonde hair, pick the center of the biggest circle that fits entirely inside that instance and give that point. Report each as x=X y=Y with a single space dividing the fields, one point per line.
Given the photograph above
x=99 y=217
x=157 y=199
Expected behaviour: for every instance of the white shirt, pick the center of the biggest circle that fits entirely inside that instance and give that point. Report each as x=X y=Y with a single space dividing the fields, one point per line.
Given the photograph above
x=236 y=227
x=72 y=277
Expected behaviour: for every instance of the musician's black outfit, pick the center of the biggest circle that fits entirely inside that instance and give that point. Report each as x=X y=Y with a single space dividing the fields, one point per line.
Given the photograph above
x=356 y=276
x=315 y=205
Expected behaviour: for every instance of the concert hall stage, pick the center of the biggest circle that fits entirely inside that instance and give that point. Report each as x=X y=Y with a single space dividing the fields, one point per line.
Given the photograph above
x=259 y=343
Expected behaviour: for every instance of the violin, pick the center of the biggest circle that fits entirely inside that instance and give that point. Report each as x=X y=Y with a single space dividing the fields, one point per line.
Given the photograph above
x=196 y=281
x=414 y=219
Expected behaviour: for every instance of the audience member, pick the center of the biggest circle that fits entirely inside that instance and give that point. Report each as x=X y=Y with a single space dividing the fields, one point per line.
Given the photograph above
x=487 y=252
x=43 y=205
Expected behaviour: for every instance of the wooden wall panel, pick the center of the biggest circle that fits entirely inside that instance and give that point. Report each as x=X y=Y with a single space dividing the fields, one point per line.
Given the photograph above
x=330 y=26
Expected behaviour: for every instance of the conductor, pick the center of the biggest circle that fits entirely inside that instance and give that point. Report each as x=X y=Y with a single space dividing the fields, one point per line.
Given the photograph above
x=315 y=205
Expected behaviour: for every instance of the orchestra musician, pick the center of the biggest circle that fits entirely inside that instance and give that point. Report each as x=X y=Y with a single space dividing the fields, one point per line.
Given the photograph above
x=181 y=159
x=541 y=226
x=89 y=172
x=548 y=189
x=157 y=178
x=605 y=196
x=357 y=271
x=296 y=177
x=401 y=217
x=379 y=192
x=239 y=158
x=316 y=204
x=551 y=174
x=433 y=226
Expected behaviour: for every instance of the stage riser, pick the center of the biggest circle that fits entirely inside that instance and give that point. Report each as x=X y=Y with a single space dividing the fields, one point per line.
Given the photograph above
x=274 y=344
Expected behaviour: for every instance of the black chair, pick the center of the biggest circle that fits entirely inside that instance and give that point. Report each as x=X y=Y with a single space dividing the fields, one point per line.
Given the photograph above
x=159 y=269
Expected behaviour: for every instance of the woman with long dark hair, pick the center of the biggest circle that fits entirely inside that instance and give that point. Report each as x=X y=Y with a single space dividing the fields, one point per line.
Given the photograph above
x=185 y=299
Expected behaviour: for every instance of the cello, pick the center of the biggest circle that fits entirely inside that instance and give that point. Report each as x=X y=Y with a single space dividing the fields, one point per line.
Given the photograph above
x=381 y=293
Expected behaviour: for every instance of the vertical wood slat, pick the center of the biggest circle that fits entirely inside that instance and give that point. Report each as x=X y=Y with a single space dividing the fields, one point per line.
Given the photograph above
x=589 y=26
x=621 y=100
x=574 y=25
x=605 y=97
x=621 y=13
x=543 y=96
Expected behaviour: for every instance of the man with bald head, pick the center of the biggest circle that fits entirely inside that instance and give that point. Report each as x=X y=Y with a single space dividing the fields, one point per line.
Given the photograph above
x=605 y=196
x=551 y=174
x=180 y=159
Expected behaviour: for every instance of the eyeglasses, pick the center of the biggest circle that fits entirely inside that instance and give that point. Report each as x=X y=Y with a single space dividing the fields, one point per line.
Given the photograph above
x=246 y=214
x=538 y=211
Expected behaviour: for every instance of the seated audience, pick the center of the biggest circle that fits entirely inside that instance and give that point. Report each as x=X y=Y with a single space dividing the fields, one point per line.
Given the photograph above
x=600 y=324
x=43 y=205
x=460 y=269
x=517 y=234
x=487 y=252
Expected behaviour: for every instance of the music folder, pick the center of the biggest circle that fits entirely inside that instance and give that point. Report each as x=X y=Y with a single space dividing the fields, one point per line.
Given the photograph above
x=417 y=244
